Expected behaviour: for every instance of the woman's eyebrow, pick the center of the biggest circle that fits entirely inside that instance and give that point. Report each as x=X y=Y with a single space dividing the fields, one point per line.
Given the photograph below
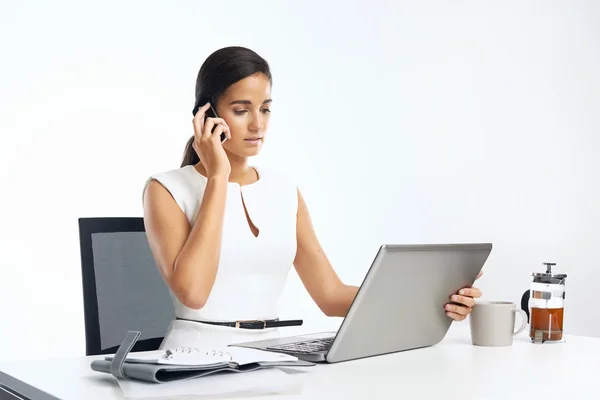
x=248 y=102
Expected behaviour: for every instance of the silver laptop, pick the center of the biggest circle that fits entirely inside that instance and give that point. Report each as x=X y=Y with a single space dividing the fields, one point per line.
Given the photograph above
x=399 y=306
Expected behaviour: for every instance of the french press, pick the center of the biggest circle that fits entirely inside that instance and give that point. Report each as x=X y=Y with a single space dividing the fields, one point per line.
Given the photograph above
x=544 y=305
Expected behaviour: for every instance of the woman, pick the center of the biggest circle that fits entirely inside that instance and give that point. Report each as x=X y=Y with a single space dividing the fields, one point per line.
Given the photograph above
x=224 y=233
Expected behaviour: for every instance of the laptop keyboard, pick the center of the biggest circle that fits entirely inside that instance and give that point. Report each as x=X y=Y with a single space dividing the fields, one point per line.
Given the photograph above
x=307 y=347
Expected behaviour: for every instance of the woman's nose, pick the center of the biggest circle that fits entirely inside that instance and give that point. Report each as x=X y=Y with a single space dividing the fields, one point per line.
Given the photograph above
x=256 y=122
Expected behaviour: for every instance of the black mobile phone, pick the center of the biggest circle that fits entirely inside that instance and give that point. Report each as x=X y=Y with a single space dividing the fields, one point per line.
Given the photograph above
x=211 y=113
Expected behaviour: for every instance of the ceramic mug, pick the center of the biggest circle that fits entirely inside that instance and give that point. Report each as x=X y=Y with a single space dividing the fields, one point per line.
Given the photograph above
x=493 y=323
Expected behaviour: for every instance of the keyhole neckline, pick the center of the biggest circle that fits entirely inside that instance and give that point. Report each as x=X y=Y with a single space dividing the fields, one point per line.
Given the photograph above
x=240 y=188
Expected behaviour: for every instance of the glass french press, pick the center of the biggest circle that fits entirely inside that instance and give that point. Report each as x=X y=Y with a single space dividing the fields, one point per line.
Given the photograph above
x=544 y=305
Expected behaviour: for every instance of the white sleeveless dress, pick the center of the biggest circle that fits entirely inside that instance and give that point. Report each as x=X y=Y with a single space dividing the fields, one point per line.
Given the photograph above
x=252 y=271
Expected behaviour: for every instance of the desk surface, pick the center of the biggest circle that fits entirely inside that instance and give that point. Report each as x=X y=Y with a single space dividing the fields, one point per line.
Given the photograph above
x=453 y=369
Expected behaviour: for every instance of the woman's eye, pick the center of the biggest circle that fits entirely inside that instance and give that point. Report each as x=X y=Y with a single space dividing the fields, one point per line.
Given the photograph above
x=242 y=112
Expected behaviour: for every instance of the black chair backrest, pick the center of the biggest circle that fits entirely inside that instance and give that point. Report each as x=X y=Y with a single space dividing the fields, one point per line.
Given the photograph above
x=122 y=287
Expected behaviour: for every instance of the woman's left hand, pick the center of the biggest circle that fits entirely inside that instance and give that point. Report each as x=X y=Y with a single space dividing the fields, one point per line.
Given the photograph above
x=465 y=300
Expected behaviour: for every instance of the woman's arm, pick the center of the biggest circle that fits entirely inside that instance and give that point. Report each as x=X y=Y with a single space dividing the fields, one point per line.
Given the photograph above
x=324 y=286
x=187 y=258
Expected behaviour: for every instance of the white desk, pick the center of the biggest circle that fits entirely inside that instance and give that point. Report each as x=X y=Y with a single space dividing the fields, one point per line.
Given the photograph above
x=453 y=369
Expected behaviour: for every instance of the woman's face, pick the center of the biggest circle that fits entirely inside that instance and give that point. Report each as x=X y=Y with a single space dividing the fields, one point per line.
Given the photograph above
x=245 y=106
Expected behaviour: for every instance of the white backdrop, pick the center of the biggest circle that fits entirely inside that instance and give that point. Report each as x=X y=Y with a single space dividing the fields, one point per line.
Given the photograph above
x=403 y=122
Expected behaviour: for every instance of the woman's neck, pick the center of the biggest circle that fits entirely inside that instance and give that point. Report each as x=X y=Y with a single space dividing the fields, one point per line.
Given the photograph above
x=239 y=170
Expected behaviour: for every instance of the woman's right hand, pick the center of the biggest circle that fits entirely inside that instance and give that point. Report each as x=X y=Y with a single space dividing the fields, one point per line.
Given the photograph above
x=208 y=145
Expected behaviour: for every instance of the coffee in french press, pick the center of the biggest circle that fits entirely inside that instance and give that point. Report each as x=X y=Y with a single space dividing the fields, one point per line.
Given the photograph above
x=544 y=305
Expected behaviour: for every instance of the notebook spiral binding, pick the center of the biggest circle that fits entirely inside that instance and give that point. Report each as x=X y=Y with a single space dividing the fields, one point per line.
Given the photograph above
x=171 y=354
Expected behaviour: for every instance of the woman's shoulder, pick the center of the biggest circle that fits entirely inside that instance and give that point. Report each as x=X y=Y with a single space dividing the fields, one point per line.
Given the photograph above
x=184 y=174
x=175 y=178
x=183 y=183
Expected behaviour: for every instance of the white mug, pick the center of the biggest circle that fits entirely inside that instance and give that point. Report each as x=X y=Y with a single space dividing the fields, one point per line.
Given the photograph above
x=493 y=323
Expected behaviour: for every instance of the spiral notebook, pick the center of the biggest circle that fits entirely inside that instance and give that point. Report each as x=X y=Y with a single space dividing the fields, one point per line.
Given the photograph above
x=202 y=358
x=186 y=363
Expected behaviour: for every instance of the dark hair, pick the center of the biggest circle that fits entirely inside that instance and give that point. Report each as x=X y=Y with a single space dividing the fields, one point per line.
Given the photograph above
x=220 y=70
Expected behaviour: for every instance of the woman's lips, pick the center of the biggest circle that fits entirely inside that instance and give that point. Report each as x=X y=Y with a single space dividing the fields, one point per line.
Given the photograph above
x=255 y=140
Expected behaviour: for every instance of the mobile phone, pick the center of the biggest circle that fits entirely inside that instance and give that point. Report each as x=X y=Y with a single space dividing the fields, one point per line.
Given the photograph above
x=211 y=113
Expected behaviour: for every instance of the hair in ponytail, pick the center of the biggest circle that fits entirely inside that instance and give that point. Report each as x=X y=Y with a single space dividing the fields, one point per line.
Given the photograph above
x=190 y=157
x=220 y=70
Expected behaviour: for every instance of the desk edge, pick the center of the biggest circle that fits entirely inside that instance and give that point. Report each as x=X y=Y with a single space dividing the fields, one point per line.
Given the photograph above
x=17 y=387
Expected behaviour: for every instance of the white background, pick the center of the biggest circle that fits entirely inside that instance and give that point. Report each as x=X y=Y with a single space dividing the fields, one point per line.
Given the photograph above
x=403 y=122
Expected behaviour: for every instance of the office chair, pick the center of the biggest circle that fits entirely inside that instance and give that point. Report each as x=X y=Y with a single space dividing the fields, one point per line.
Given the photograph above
x=122 y=287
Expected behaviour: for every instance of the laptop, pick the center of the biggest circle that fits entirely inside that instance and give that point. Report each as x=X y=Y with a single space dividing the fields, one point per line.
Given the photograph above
x=399 y=305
